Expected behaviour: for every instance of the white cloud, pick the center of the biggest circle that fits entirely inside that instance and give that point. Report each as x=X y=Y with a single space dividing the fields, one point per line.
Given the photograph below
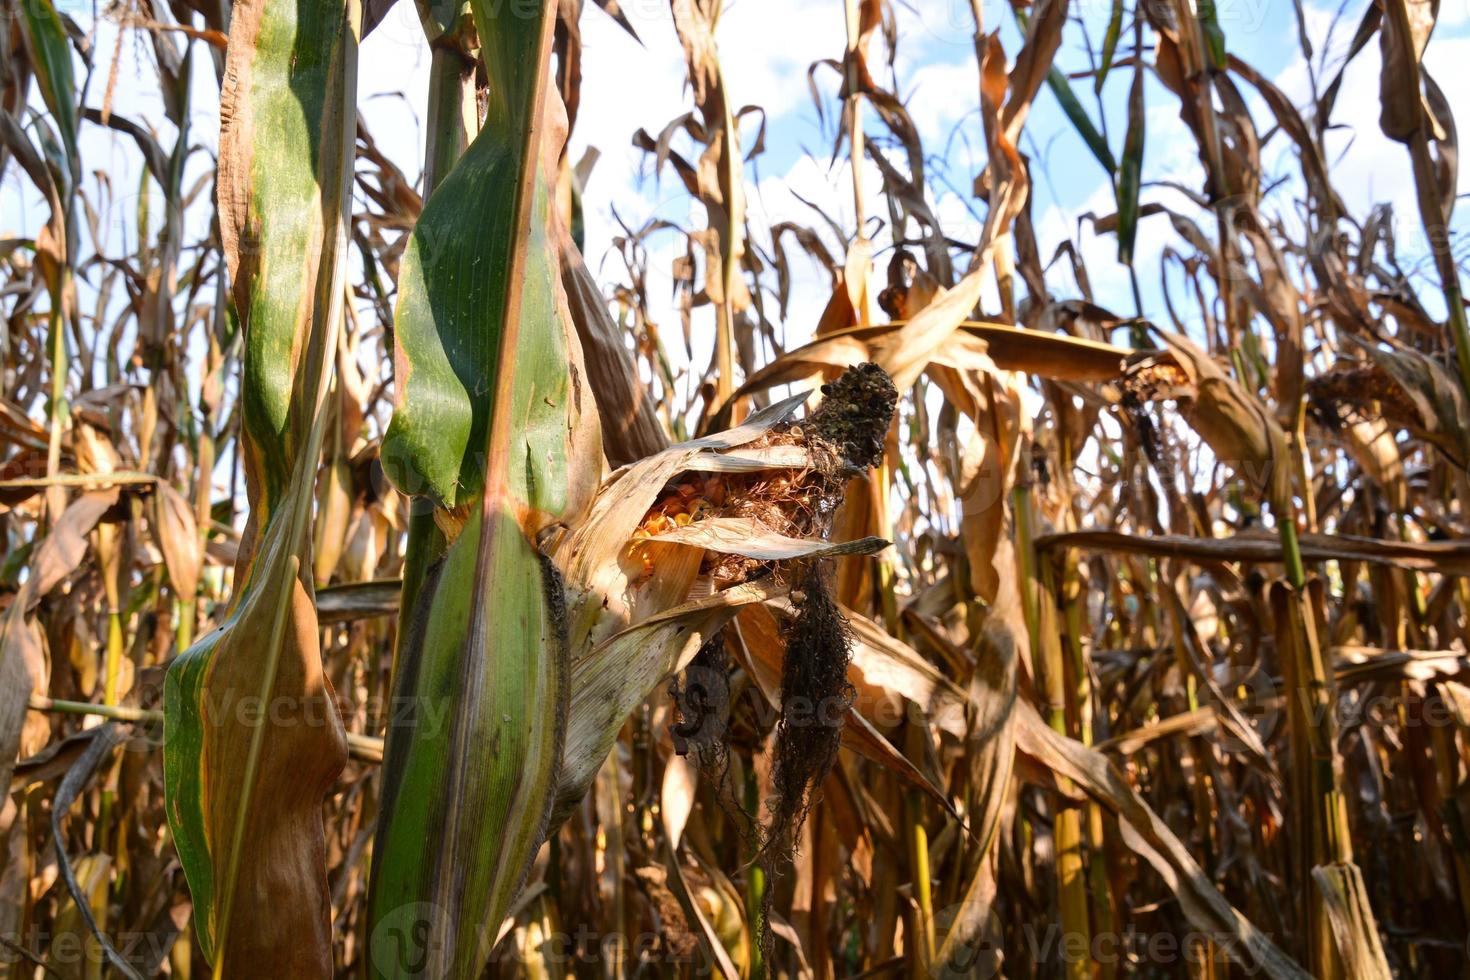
x=940 y=96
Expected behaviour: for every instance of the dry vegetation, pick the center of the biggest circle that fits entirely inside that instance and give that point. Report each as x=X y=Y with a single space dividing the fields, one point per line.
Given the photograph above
x=362 y=616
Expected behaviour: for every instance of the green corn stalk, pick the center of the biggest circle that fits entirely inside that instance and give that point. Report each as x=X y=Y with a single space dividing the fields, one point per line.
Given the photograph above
x=526 y=647
x=486 y=427
x=253 y=739
x=453 y=120
x=1061 y=715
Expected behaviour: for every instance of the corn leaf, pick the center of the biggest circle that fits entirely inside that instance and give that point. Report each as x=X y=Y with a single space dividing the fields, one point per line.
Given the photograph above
x=1452 y=557
x=51 y=57
x=616 y=675
x=1442 y=406
x=253 y=739
x=1109 y=49
x=1151 y=839
x=1345 y=896
x=1403 y=37
x=1080 y=120
x=1238 y=426
x=974 y=345
x=455 y=291
x=745 y=536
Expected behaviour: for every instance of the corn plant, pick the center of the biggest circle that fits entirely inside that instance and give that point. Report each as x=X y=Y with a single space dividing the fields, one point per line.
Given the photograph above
x=390 y=588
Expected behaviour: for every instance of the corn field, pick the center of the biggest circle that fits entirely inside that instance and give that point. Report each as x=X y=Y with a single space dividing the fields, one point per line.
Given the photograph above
x=393 y=584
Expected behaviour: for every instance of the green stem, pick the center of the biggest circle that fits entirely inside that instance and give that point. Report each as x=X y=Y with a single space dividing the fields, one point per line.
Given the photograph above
x=918 y=843
x=1026 y=559
x=112 y=712
x=426 y=543
x=755 y=877
x=114 y=658
x=1061 y=715
x=56 y=405
x=184 y=629
x=453 y=121
x=1291 y=552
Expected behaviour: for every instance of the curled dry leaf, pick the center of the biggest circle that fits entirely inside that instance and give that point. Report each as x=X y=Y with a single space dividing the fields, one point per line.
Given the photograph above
x=1239 y=428
x=1441 y=407
x=178 y=539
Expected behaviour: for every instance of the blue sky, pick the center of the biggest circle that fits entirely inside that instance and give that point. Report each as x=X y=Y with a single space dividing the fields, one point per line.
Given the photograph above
x=765 y=57
x=766 y=48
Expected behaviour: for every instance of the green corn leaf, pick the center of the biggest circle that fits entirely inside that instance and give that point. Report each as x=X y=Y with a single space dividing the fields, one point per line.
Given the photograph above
x=1109 y=44
x=470 y=765
x=1056 y=80
x=1209 y=22
x=51 y=57
x=1062 y=89
x=252 y=737
x=453 y=120
x=279 y=161
x=454 y=288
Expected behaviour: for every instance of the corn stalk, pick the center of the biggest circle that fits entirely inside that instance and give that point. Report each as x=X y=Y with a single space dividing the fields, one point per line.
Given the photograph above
x=253 y=736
